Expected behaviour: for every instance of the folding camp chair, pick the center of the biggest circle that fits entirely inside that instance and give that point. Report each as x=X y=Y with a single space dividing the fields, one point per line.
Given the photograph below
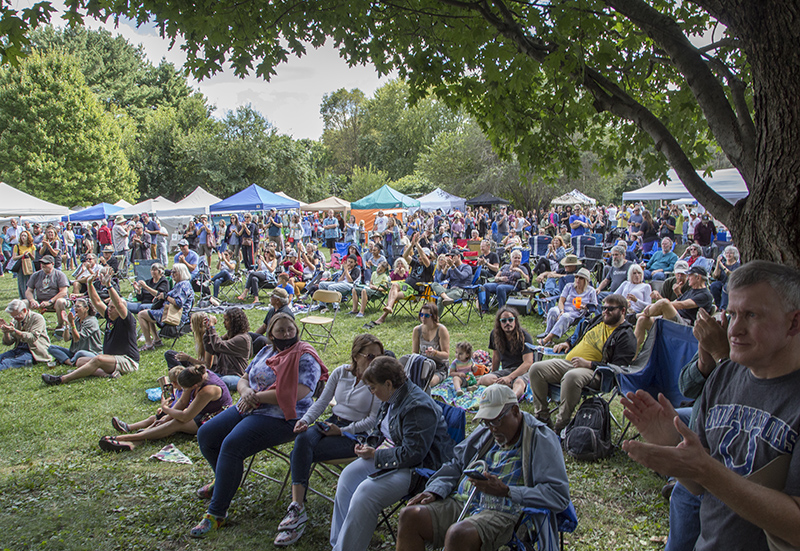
x=175 y=332
x=593 y=260
x=537 y=528
x=283 y=456
x=323 y=323
x=471 y=299
x=232 y=288
x=668 y=347
x=579 y=242
x=419 y=369
x=539 y=245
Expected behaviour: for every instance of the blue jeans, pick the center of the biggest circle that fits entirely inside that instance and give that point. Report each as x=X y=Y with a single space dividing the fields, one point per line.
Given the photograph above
x=227 y=440
x=16 y=357
x=136 y=307
x=684 y=519
x=62 y=354
x=658 y=276
x=231 y=381
x=501 y=290
x=313 y=446
x=219 y=279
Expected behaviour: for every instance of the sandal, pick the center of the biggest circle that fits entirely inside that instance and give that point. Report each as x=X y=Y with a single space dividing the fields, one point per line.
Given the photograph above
x=158 y=344
x=369 y=325
x=145 y=348
x=111 y=444
x=120 y=425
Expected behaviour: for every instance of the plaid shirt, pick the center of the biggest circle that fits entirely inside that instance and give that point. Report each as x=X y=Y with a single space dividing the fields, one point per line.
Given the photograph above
x=505 y=464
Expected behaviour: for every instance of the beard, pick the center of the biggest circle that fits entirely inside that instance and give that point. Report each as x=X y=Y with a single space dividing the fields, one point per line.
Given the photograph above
x=618 y=262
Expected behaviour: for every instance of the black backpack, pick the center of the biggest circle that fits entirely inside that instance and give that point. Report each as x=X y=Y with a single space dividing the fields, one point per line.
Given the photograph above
x=588 y=435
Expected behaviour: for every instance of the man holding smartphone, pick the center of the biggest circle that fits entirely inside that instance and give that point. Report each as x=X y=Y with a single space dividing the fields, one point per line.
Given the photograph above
x=524 y=468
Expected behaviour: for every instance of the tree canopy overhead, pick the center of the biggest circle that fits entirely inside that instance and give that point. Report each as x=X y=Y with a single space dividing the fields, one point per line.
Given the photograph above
x=657 y=80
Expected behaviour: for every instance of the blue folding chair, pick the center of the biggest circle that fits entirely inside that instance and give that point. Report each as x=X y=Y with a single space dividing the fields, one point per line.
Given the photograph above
x=543 y=529
x=579 y=242
x=539 y=245
x=472 y=299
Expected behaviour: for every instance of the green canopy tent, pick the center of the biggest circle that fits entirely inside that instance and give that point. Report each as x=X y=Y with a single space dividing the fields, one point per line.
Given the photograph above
x=385 y=199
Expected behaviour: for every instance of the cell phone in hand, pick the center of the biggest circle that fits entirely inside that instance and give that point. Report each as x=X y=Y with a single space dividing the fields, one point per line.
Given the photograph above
x=324 y=427
x=475 y=475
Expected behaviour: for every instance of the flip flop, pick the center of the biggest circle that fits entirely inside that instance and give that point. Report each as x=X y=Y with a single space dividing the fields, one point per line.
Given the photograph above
x=369 y=325
x=111 y=444
x=120 y=425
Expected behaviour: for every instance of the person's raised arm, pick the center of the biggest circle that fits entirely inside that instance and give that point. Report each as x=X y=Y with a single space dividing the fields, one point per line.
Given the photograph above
x=94 y=298
x=118 y=302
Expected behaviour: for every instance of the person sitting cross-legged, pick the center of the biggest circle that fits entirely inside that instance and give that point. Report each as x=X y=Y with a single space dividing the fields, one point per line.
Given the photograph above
x=524 y=467
x=47 y=291
x=607 y=338
x=120 y=354
x=27 y=334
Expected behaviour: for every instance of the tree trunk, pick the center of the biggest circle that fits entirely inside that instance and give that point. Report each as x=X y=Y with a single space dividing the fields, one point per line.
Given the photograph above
x=765 y=224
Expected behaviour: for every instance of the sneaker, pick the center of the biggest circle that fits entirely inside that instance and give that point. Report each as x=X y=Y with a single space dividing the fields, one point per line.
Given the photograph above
x=210 y=523
x=288 y=537
x=52 y=363
x=205 y=492
x=51 y=379
x=295 y=517
x=359 y=315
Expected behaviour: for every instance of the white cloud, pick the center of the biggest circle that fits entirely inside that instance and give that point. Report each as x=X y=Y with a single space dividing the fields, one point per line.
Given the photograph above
x=290 y=101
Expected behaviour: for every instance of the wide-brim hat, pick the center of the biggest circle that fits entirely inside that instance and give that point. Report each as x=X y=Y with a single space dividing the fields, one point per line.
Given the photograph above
x=119 y=219
x=584 y=273
x=571 y=260
x=681 y=267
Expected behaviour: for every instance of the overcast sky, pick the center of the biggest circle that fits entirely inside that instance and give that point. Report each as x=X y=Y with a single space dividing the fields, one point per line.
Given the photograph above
x=290 y=101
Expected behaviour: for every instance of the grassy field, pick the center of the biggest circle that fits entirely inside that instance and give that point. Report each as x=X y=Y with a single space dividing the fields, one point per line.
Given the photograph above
x=59 y=491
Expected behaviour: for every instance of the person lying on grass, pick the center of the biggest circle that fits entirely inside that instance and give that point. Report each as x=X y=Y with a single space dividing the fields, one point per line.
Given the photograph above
x=204 y=395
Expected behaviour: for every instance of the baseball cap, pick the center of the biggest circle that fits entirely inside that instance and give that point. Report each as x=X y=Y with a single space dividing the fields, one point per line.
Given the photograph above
x=493 y=400
x=697 y=270
x=183 y=242
x=108 y=249
x=681 y=267
x=280 y=293
x=47 y=259
x=584 y=273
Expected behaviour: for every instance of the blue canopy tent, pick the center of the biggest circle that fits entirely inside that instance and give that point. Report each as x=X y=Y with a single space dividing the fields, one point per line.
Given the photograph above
x=101 y=211
x=253 y=198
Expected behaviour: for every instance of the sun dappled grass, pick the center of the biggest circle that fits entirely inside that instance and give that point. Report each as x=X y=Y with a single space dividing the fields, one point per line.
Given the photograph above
x=59 y=491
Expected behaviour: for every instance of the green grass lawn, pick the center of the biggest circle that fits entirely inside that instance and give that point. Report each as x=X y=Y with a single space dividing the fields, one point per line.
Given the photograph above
x=59 y=491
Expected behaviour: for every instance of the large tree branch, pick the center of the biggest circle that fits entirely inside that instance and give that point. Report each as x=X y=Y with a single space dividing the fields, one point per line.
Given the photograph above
x=731 y=131
x=609 y=96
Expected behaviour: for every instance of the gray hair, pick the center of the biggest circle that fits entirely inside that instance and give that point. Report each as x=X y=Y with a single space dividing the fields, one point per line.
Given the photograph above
x=157 y=266
x=181 y=271
x=785 y=281
x=16 y=305
x=634 y=268
x=732 y=249
x=618 y=249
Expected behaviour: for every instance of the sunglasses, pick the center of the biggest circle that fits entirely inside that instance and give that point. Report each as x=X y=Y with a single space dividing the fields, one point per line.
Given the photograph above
x=369 y=357
x=507 y=320
x=424 y=315
x=609 y=308
x=497 y=420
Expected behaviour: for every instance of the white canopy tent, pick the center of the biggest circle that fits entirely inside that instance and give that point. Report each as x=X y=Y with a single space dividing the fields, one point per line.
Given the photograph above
x=574 y=197
x=122 y=203
x=331 y=203
x=18 y=203
x=440 y=199
x=728 y=183
x=148 y=205
x=282 y=194
x=196 y=203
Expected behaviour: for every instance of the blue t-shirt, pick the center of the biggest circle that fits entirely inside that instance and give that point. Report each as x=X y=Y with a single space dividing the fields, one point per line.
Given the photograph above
x=580 y=230
x=202 y=234
x=273 y=230
x=191 y=258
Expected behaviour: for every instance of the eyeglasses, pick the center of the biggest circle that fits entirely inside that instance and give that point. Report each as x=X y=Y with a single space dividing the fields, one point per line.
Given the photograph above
x=609 y=308
x=369 y=357
x=507 y=320
x=497 y=420
x=424 y=315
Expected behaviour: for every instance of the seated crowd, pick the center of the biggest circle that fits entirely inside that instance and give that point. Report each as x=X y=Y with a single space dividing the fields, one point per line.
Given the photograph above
x=385 y=426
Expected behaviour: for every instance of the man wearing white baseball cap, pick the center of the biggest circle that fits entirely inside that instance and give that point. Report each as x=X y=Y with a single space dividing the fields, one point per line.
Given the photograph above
x=519 y=464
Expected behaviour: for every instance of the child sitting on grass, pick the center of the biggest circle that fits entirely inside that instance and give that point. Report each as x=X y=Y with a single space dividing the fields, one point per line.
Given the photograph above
x=462 y=369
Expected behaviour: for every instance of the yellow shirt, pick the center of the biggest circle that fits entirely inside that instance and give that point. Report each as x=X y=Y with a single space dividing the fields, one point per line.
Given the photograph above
x=590 y=347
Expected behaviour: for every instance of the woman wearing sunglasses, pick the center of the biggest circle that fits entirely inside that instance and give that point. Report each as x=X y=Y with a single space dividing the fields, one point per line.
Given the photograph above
x=354 y=413
x=432 y=339
x=511 y=359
